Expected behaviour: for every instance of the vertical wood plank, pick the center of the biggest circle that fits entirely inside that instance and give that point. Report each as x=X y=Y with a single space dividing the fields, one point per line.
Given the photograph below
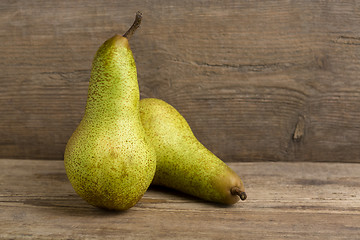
x=241 y=73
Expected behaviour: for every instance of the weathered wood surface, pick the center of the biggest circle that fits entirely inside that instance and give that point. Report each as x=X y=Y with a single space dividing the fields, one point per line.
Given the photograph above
x=285 y=201
x=257 y=80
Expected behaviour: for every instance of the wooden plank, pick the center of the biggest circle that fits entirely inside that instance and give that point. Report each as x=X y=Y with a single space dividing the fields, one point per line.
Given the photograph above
x=241 y=72
x=285 y=201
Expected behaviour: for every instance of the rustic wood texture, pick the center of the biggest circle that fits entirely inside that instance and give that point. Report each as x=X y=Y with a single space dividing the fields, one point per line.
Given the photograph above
x=285 y=201
x=256 y=80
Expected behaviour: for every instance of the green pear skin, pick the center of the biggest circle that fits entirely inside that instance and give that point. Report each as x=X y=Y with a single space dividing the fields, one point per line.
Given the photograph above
x=183 y=163
x=107 y=159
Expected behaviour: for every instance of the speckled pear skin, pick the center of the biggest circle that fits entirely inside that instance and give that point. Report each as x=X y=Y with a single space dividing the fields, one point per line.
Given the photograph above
x=107 y=159
x=183 y=163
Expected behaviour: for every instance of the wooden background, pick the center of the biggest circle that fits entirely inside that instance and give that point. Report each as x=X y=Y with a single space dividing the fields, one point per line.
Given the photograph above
x=256 y=80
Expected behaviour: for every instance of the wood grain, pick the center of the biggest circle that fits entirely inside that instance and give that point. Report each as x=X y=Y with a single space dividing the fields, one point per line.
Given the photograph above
x=241 y=72
x=285 y=201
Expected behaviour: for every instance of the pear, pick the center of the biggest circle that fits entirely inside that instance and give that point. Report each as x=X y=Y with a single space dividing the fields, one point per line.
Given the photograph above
x=183 y=163
x=107 y=159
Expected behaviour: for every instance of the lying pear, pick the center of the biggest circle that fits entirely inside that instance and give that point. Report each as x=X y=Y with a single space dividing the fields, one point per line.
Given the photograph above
x=183 y=163
x=107 y=159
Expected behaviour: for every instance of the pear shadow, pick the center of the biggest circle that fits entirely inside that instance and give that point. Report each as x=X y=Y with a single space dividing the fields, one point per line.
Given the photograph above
x=69 y=205
x=166 y=193
x=183 y=198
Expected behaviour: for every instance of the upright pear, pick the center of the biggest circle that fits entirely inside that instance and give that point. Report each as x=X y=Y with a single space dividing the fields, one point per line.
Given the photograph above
x=183 y=163
x=107 y=159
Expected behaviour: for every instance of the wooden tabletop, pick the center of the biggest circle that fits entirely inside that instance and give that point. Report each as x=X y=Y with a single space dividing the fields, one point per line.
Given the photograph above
x=285 y=201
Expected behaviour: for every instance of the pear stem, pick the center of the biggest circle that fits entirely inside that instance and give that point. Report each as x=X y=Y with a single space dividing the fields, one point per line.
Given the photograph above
x=237 y=191
x=135 y=25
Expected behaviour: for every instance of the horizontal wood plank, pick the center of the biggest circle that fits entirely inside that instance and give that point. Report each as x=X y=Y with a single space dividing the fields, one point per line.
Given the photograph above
x=241 y=72
x=285 y=201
